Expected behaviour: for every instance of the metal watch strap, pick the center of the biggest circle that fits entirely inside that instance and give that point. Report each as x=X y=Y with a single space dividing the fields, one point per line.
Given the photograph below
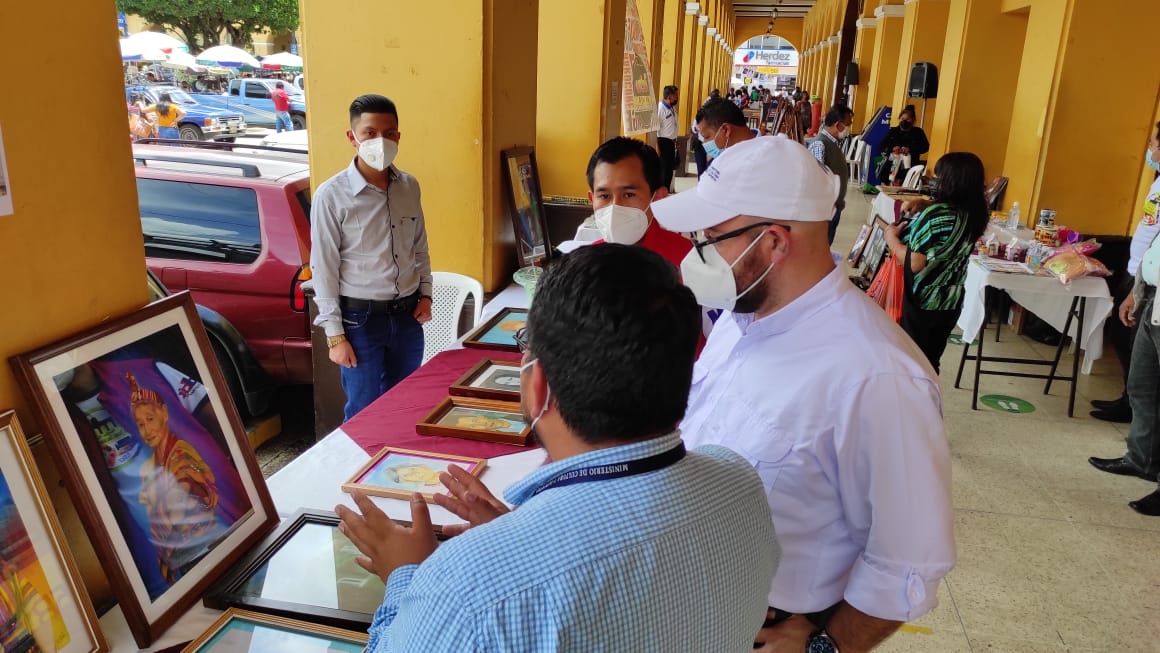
x=821 y=642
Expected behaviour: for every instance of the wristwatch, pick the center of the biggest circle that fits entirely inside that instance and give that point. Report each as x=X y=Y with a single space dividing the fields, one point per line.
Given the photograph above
x=820 y=642
x=334 y=340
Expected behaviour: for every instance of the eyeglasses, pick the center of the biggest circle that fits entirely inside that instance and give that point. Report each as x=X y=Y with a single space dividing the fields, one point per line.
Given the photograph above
x=699 y=245
x=521 y=337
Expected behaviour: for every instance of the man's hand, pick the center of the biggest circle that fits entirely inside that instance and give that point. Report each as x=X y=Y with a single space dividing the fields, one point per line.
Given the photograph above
x=789 y=636
x=342 y=355
x=423 y=310
x=1128 y=311
x=385 y=544
x=469 y=500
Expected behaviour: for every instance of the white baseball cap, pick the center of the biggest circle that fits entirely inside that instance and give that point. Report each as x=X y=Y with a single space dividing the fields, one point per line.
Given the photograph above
x=767 y=177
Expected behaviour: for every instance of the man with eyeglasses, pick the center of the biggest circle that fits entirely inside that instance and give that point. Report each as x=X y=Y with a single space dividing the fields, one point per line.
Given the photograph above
x=618 y=544
x=832 y=403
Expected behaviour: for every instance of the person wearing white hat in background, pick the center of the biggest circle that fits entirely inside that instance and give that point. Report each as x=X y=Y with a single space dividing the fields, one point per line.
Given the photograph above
x=829 y=399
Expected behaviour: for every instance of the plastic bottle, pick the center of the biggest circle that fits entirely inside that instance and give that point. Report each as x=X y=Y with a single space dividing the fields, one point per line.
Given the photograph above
x=1013 y=219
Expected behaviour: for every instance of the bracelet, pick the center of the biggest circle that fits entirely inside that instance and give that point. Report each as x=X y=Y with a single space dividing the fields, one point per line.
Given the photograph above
x=334 y=340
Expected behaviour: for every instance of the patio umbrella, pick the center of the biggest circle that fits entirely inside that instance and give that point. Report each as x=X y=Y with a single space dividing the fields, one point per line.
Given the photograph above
x=157 y=41
x=227 y=56
x=183 y=61
x=282 y=61
x=139 y=52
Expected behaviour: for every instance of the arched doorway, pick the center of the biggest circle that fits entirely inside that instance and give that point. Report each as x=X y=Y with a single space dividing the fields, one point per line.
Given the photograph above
x=767 y=60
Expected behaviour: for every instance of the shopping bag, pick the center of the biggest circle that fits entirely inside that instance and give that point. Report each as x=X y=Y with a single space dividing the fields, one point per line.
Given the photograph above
x=888 y=287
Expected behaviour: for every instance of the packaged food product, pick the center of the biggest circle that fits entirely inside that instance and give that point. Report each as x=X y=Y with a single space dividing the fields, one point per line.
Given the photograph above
x=1069 y=264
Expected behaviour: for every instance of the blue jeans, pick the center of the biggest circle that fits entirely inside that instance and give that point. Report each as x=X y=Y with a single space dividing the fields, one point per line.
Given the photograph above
x=282 y=119
x=387 y=347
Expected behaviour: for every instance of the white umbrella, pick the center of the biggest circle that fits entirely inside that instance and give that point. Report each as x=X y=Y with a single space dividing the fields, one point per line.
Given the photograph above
x=282 y=61
x=158 y=41
x=227 y=56
x=139 y=52
x=183 y=60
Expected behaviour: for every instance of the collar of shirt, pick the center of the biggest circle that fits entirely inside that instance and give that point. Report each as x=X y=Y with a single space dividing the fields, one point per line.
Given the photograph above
x=520 y=492
x=358 y=182
x=825 y=132
x=821 y=295
x=670 y=245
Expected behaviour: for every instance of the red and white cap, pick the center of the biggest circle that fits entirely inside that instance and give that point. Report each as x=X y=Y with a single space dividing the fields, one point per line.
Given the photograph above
x=768 y=177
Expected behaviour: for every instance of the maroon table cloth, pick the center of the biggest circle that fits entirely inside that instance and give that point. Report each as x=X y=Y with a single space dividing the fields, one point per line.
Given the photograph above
x=390 y=421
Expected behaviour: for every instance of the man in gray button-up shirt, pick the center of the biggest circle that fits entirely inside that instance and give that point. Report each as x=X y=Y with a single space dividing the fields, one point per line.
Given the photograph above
x=372 y=272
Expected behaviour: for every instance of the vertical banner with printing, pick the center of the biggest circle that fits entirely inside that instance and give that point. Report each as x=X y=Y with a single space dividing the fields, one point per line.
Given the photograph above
x=638 y=100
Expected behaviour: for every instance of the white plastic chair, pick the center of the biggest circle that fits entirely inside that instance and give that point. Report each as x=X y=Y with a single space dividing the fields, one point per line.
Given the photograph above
x=449 y=293
x=914 y=177
x=855 y=162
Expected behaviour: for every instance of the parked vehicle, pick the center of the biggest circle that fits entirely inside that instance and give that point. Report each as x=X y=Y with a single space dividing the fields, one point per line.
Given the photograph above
x=201 y=121
x=232 y=227
x=252 y=98
x=249 y=385
x=295 y=140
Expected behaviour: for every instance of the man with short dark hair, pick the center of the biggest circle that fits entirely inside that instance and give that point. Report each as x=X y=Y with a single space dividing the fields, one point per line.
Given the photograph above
x=620 y=543
x=281 y=100
x=667 y=135
x=828 y=152
x=720 y=124
x=372 y=271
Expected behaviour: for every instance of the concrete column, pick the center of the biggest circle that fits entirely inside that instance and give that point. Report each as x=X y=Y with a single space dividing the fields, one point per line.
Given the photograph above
x=863 y=54
x=670 y=53
x=612 y=69
x=690 y=97
x=830 y=72
x=923 y=36
x=884 y=63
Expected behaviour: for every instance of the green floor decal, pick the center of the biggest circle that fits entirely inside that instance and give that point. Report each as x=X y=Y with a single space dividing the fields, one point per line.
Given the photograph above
x=1005 y=404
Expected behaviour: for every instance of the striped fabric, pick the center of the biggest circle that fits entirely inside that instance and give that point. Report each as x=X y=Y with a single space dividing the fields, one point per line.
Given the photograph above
x=679 y=559
x=940 y=234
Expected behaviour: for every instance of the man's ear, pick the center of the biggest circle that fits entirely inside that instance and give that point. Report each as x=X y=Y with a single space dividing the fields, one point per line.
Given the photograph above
x=660 y=194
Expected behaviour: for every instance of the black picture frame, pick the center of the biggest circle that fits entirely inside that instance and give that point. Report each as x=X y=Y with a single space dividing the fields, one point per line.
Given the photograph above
x=526 y=205
x=875 y=250
x=228 y=592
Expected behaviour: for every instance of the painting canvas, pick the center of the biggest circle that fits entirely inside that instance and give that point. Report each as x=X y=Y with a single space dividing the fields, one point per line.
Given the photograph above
x=874 y=252
x=477 y=419
x=241 y=631
x=859 y=244
x=468 y=417
x=527 y=205
x=399 y=473
x=43 y=604
x=490 y=379
x=499 y=333
x=153 y=455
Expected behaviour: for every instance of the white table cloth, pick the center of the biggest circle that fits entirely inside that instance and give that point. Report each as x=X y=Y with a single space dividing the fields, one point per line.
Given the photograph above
x=1046 y=297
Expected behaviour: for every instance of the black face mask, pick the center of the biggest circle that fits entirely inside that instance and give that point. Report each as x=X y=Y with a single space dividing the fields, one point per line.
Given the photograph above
x=905 y=124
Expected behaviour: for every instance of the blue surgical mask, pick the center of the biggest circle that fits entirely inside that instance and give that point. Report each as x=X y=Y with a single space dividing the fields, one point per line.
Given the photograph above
x=711 y=149
x=1152 y=163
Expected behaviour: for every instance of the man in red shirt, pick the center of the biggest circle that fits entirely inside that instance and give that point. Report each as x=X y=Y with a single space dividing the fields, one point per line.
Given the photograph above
x=624 y=177
x=281 y=108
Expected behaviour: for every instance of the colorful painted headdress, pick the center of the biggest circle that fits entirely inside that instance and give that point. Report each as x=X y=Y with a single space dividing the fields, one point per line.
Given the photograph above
x=139 y=395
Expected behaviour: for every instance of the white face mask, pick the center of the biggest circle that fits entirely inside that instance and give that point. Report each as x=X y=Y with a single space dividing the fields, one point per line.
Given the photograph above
x=712 y=280
x=378 y=152
x=621 y=224
x=844 y=133
x=547 y=399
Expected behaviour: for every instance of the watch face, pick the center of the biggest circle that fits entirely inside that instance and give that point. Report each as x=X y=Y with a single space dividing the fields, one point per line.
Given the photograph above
x=821 y=644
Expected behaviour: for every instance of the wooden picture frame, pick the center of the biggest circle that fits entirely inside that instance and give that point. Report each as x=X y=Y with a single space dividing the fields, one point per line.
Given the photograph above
x=398 y=473
x=490 y=379
x=499 y=421
x=135 y=410
x=526 y=204
x=263 y=632
x=498 y=333
x=875 y=250
x=272 y=578
x=43 y=602
x=859 y=244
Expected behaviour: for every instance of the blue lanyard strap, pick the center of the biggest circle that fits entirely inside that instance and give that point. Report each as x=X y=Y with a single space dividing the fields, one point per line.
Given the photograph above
x=616 y=470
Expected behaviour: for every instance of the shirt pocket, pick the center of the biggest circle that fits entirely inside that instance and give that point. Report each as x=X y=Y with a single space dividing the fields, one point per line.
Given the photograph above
x=755 y=436
x=403 y=230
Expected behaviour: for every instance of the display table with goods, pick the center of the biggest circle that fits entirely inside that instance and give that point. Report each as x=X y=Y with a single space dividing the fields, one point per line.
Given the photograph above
x=887 y=204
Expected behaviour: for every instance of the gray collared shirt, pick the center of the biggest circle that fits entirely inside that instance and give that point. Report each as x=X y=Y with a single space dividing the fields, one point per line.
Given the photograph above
x=366 y=243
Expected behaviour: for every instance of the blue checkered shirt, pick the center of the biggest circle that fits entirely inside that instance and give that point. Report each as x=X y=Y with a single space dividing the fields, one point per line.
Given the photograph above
x=678 y=559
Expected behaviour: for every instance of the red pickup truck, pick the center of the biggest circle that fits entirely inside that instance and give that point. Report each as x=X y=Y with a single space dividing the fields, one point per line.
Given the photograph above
x=231 y=223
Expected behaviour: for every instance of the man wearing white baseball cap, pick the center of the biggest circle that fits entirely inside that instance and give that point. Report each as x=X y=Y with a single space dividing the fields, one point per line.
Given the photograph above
x=832 y=403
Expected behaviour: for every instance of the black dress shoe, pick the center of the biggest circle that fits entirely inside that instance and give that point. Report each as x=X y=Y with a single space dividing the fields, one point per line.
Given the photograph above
x=1119 y=466
x=1116 y=415
x=1111 y=404
x=1149 y=505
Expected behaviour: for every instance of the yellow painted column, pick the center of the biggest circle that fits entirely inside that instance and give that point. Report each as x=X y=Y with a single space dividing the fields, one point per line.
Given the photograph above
x=691 y=98
x=923 y=36
x=1053 y=164
x=829 y=76
x=670 y=55
x=884 y=64
x=455 y=157
x=977 y=82
x=863 y=54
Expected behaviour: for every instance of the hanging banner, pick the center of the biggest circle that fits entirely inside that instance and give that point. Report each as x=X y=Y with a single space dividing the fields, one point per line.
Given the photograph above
x=638 y=105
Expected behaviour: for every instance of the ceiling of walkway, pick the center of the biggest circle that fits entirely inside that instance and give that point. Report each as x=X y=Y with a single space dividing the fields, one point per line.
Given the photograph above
x=765 y=8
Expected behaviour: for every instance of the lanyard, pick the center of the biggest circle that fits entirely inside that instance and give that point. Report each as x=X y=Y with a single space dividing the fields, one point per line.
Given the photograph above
x=616 y=470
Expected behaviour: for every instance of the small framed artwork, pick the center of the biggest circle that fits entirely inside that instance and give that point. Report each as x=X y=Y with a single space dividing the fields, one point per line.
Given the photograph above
x=499 y=333
x=477 y=419
x=398 y=473
x=43 y=603
x=153 y=455
x=490 y=379
x=242 y=631
x=874 y=251
x=859 y=245
x=307 y=569
x=527 y=205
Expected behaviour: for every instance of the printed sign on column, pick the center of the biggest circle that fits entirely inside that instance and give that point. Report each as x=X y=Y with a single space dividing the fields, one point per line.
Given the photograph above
x=5 y=187
x=638 y=104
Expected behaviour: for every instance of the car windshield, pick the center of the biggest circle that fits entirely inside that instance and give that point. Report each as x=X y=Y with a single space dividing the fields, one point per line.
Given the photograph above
x=177 y=95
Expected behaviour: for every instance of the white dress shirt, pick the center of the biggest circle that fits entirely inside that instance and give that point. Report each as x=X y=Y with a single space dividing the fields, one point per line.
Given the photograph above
x=668 y=116
x=842 y=417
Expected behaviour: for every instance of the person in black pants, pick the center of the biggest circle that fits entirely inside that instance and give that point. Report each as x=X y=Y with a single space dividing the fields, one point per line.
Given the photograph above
x=1118 y=410
x=667 y=134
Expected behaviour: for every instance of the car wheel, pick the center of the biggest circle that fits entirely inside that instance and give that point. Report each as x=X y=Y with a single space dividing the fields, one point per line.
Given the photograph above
x=299 y=121
x=230 y=373
x=190 y=132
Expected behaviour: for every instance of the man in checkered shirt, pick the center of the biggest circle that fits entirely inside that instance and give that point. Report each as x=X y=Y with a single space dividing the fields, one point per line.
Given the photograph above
x=624 y=542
